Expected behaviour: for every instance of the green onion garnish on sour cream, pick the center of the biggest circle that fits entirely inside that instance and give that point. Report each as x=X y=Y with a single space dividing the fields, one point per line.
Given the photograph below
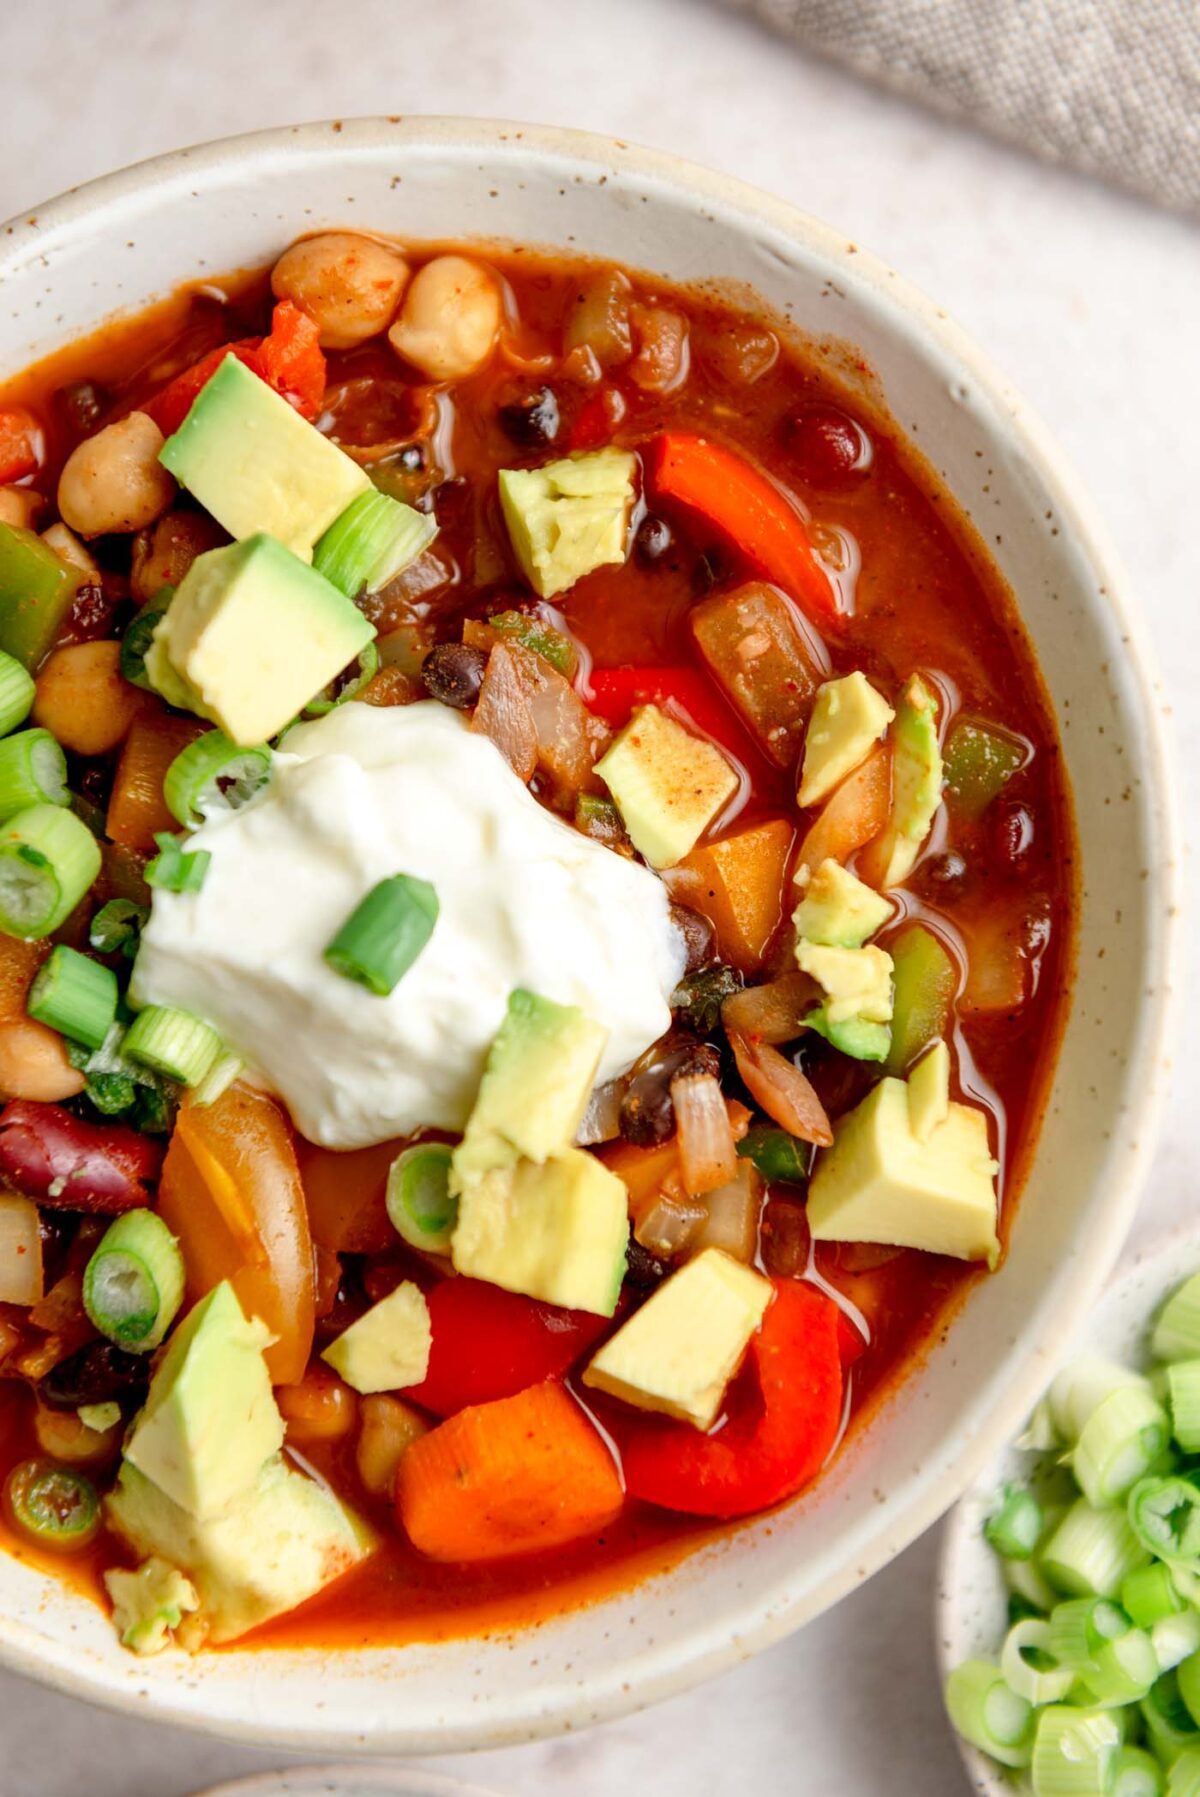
x=383 y=936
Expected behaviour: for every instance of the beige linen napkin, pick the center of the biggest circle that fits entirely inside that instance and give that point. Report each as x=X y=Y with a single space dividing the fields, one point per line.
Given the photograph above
x=1109 y=86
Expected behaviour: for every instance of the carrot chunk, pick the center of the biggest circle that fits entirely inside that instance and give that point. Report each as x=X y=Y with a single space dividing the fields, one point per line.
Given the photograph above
x=516 y=1476
x=137 y=808
x=737 y=882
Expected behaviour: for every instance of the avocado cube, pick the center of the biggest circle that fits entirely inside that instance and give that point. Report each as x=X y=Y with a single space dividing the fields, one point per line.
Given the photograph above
x=388 y=1347
x=880 y=1182
x=929 y=1092
x=678 y=1352
x=557 y=1232
x=256 y=465
x=251 y=636
x=857 y=981
x=916 y=782
x=568 y=517
x=149 y=1603
x=848 y=718
x=838 y=910
x=210 y=1419
x=539 y=1076
x=278 y=1543
x=668 y=785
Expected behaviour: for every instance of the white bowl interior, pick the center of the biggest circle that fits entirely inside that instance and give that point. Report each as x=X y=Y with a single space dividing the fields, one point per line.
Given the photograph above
x=115 y=245
x=971 y=1598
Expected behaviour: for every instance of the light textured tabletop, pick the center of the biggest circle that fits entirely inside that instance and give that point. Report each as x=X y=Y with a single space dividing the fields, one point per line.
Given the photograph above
x=1087 y=298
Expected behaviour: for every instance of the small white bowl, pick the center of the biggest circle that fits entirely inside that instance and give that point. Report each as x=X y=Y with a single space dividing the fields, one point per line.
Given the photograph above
x=971 y=1599
x=124 y=240
x=346 y=1781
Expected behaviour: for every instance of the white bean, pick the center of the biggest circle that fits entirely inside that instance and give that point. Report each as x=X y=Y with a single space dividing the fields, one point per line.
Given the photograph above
x=20 y=506
x=349 y=286
x=34 y=1064
x=114 y=480
x=451 y=314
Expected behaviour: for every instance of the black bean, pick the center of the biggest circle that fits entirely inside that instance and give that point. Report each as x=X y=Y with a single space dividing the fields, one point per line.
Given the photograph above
x=533 y=420
x=697 y=935
x=941 y=877
x=647 y=1116
x=82 y=404
x=95 y=1374
x=641 y=1267
x=453 y=673
x=653 y=539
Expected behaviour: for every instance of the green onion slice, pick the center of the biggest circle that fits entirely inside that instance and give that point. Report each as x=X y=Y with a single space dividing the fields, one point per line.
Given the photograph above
x=1175 y=1639
x=776 y=1154
x=1168 y=1720
x=1074 y=1751
x=1165 y=1516
x=988 y=1714
x=1177 y=1332
x=1136 y=1773
x=118 y=925
x=48 y=859
x=173 y=1043
x=174 y=871
x=1092 y=1552
x=75 y=996
x=1013 y=1529
x=419 y=1200
x=1029 y=1665
x=372 y=541
x=214 y=774
x=1149 y=1594
x=33 y=771
x=133 y=1284
x=1119 y=1443
x=1081 y=1626
x=17 y=689
x=348 y=684
x=225 y=1069
x=137 y=639
x=1123 y=1670
x=383 y=936
x=1183 y=1396
x=52 y=1505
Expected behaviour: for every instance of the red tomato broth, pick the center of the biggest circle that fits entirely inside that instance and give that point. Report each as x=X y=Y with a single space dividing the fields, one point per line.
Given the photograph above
x=925 y=597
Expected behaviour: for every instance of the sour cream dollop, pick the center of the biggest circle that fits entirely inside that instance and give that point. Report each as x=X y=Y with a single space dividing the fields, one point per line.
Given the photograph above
x=525 y=900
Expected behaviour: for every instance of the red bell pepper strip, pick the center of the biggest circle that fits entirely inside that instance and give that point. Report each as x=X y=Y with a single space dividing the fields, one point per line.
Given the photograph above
x=488 y=1343
x=63 y=1163
x=21 y=444
x=784 y=1414
x=617 y=692
x=289 y=360
x=748 y=510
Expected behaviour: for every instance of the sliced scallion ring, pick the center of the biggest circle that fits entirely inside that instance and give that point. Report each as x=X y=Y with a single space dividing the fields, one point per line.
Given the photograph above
x=1013 y=1528
x=48 y=859
x=372 y=541
x=383 y=936
x=52 y=1505
x=33 y=771
x=988 y=1714
x=214 y=774
x=1030 y=1666
x=137 y=639
x=75 y=996
x=173 y=1043
x=16 y=693
x=347 y=685
x=419 y=1202
x=133 y=1284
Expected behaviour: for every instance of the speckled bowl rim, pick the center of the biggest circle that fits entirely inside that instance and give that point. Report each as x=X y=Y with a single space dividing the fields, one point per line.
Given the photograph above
x=665 y=1671
x=1172 y=1255
x=310 y=1781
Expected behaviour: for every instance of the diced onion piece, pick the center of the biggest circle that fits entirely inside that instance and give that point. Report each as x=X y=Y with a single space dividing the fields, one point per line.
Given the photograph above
x=731 y=1216
x=503 y=713
x=781 y=1089
x=666 y=1227
x=21 y=1274
x=707 y=1152
x=602 y=1118
x=775 y=1012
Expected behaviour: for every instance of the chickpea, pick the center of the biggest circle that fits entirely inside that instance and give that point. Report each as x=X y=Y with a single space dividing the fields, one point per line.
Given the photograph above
x=69 y=549
x=320 y=1408
x=114 y=480
x=20 y=506
x=449 y=320
x=62 y=1435
x=350 y=286
x=163 y=555
x=83 y=701
x=34 y=1064
x=389 y=1428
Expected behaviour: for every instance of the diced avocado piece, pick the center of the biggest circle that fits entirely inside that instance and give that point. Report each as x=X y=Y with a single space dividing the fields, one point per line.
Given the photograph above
x=668 y=784
x=980 y=760
x=556 y=1231
x=256 y=465
x=149 y=1604
x=535 y=1088
x=880 y=1182
x=853 y=1036
x=678 y=1352
x=929 y=1092
x=37 y=590
x=926 y=981
x=277 y=1544
x=568 y=517
x=857 y=981
x=210 y=1419
x=916 y=782
x=100 y=1417
x=250 y=636
x=388 y=1347
x=848 y=718
x=838 y=910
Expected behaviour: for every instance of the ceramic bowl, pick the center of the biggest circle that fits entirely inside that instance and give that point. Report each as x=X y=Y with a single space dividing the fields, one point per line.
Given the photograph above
x=120 y=241
x=971 y=1602
x=345 y=1781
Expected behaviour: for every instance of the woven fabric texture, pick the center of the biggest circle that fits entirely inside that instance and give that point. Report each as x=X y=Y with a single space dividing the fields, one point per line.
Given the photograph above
x=1109 y=86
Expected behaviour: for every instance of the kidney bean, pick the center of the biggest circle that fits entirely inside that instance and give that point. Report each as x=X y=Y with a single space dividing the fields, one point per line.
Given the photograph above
x=64 y=1163
x=826 y=447
x=1011 y=833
